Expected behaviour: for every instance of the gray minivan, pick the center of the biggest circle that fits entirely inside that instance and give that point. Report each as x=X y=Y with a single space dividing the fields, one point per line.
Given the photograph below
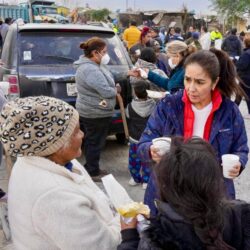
x=37 y=59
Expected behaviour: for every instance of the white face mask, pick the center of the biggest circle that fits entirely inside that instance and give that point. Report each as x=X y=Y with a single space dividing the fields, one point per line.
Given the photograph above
x=170 y=63
x=105 y=59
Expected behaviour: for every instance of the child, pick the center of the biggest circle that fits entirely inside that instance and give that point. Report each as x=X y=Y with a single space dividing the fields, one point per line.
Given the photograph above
x=138 y=112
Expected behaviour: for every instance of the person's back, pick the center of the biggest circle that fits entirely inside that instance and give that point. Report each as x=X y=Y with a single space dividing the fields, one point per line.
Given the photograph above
x=5 y=28
x=131 y=35
x=232 y=44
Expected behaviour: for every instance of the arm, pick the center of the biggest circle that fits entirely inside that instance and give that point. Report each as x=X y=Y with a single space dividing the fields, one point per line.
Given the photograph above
x=130 y=240
x=125 y=35
x=70 y=221
x=158 y=80
x=243 y=63
x=95 y=79
x=154 y=128
x=239 y=146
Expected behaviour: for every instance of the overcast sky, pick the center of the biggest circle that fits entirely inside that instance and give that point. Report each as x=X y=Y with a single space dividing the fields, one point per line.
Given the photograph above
x=200 y=6
x=197 y=5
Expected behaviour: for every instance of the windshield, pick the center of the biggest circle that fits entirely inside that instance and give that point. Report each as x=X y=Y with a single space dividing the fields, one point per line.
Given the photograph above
x=63 y=47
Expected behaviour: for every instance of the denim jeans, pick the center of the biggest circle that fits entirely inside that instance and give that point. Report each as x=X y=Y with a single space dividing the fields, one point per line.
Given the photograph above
x=95 y=133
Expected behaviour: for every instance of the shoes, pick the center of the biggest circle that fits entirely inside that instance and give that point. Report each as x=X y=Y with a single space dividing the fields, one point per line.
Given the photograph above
x=144 y=186
x=132 y=182
x=98 y=178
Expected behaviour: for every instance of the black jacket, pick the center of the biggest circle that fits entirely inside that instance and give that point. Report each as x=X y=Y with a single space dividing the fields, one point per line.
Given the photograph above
x=232 y=46
x=243 y=67
x=170 y=231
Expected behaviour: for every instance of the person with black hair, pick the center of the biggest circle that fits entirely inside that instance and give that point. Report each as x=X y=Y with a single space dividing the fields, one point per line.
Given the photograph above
x=177 y=35
x=203 y=109
x=193 y=211
x=232 y=45
x=170 y=33
x=5 y=27
x=148 y=60
x=155 y=35
x=138 y=112
x=131 y=35
x=143 y=42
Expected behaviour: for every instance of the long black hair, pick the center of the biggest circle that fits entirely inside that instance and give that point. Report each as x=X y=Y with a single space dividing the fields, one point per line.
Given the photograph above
x=190 y=179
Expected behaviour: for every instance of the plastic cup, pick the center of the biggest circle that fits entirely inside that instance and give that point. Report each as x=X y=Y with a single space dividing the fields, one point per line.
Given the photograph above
x=228 y=162
x=162 y=144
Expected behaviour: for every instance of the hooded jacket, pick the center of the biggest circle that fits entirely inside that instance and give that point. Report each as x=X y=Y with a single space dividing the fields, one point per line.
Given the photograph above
x=227 y=136
x=138 y=112
x=169 y=230
x=232 y=46
x=96 y=89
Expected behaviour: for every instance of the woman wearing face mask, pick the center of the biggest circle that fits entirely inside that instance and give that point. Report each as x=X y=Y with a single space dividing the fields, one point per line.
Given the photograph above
x=95 y=101
x=203 y=109
x=135 y=51
x=177 y=52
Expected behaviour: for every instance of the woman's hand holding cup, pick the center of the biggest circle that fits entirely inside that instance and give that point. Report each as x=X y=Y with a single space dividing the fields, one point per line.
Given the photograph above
x=154 y=151
x=231 y=166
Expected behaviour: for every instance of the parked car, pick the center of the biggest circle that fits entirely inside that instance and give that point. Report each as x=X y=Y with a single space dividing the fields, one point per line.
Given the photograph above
x=37 y=59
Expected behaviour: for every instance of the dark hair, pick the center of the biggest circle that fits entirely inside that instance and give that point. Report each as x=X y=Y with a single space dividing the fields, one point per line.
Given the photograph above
x=190 y=179
x=94 y=43
x=148 y=55
x=8 y=20
x=177 y=30
x=233 y=31
x=247 y=42
x=242 y=33
x=140 y=89
x=218 y=64
x=133 y=23
x=204 y=28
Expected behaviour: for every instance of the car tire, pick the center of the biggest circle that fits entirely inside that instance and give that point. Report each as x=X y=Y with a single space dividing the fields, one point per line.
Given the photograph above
x=121 y=139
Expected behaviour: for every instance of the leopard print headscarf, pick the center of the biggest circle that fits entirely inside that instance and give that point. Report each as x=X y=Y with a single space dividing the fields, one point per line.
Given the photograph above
x=36 y=126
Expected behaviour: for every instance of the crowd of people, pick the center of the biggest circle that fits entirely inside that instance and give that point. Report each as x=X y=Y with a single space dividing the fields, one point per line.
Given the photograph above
x=53 y=200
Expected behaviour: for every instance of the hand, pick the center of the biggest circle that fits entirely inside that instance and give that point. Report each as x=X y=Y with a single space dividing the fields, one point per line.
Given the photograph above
x=235 y=171
x=154 y=154
x=118 y=88
x=132 y=224
x=134 y=73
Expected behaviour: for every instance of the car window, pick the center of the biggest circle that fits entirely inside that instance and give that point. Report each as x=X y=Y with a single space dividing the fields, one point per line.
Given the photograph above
x=63 y=47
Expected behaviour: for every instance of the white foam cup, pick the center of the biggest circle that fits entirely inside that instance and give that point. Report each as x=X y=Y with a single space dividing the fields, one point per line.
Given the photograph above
x=162 y=144
x=228 y=162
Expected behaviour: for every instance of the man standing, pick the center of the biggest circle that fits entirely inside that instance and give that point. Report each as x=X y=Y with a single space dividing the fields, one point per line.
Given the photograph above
x=232 y=45
x=5 y=27
x=205 y=40
x=216 y=38
x=131 y=35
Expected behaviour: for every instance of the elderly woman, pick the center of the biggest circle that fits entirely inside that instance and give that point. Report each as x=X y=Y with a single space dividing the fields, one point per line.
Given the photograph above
x=95 y=101
x=203 y=109
x=53 y=203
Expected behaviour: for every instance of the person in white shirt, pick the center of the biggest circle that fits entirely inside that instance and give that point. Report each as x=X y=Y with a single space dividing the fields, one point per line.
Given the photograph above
x=53 y=203
x=205 y=39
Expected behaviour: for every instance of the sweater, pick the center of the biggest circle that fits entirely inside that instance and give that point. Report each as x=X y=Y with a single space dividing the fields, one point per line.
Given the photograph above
x=173 y=83
x=96 y=90
x=169 y=230
x=227 y=136
x=131 y=35
x=53 y=208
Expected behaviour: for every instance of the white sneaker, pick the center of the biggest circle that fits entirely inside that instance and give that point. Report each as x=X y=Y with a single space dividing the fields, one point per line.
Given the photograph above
x=144 y=186
x=132 y=182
